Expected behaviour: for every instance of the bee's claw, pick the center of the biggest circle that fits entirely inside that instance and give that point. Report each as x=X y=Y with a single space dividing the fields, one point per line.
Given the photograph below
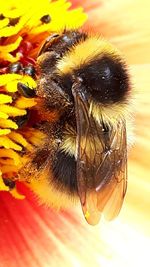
x=25 y=90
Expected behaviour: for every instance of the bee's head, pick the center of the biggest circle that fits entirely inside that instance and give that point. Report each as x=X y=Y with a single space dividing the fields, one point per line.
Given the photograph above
x=52 y=86
x=61 y=43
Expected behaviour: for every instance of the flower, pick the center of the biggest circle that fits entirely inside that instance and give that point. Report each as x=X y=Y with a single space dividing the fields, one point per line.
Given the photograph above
x=24 y=25
x=37 y=236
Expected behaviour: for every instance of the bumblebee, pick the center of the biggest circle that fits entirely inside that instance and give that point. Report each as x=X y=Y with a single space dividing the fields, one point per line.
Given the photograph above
x=82 y=94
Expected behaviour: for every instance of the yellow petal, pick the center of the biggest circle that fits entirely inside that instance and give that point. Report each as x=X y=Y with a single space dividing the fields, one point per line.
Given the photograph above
x=5 y=99
x=8 y=169
x=8 y=124
x=9 y=57
x=6 y=78
x=7 y=143
x=24 y=103
x=9 y=153
x=12 y=111
x=18 y=138
x=4 y=22
x=11 y=86
x=4 y=131
x=10 y=47
x=3 y=115
x=28 y=81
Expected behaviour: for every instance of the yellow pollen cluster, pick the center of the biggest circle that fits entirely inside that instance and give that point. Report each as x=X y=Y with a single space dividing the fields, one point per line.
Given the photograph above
x=24 y=25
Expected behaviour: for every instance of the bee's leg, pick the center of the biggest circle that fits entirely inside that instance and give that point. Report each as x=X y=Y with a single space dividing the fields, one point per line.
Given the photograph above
x=21 y=121
x=25 y=90
x=10 y=183
x=30 y=70
x=15 y=67
x=12 y=188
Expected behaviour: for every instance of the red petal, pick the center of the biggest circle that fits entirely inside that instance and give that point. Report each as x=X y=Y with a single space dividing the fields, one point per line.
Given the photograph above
x=30 y=234
x=37 y=236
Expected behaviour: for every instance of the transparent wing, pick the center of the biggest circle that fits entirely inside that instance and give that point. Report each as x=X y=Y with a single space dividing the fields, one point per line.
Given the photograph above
x=101 y=163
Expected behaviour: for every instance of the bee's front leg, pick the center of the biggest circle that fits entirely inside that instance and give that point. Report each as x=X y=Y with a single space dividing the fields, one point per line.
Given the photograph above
x=25 y=90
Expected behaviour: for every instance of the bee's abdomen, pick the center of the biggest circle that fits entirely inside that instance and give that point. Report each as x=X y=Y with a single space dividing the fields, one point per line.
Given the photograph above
x=64 y=172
